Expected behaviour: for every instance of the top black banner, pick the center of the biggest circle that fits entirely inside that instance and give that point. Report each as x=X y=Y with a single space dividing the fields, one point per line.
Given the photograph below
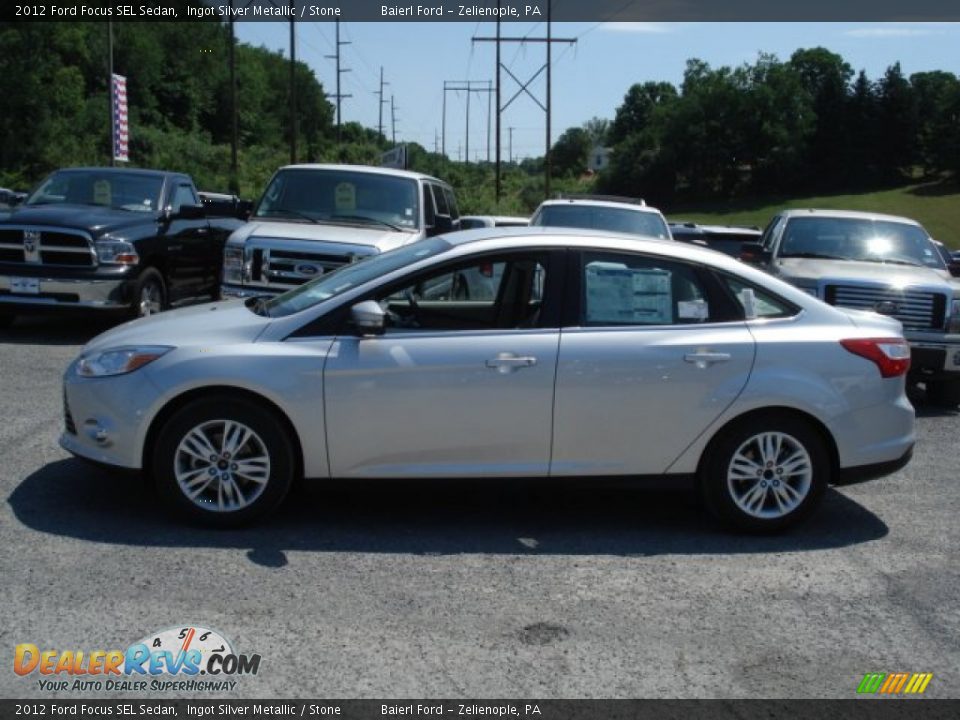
x=489 y=10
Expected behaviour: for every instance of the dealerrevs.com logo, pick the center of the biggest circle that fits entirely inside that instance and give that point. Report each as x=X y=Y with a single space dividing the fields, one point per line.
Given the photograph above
x=192 y=659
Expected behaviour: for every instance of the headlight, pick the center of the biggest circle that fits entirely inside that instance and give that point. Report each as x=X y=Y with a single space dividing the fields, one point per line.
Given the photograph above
x=233 y=263
x=119 y=361
x=953 y=322
x=116 y=252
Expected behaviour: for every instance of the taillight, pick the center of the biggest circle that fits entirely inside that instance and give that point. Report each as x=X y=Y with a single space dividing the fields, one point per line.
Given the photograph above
x=890 y=355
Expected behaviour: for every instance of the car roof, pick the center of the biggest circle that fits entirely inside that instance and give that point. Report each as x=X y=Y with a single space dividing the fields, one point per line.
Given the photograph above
x=496 y=218
x=850 y=214
x=371 y=169
x=133 y=171
x=600 y=203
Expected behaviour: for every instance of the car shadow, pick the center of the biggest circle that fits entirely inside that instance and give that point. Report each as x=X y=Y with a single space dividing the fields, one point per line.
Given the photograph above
x=70 y=498
x=70 y=329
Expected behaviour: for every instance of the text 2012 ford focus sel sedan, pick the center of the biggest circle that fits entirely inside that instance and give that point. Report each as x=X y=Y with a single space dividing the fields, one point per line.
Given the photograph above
x=596 y=355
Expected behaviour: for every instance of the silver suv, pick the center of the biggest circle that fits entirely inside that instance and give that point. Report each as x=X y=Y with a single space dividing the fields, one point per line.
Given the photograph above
x=883 y=263
x=602 y=212
x=312 y=219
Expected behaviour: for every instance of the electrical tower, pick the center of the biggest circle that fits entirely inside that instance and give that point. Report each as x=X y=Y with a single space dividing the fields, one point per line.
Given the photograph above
x=469 y=87
x=549 y=40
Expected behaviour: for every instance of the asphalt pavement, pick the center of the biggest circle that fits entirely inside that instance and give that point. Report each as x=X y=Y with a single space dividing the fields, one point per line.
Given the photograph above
x=475 y=589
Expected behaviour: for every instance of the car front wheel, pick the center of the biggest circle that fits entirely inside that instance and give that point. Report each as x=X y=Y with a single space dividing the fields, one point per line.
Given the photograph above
x=223 y=461
x=766 y=473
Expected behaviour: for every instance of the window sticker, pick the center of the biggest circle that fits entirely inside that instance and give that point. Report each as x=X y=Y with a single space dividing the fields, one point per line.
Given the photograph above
x=693 y=310
x=101 y=192
x=345 y=196
x=618 y=294
x=651 y=297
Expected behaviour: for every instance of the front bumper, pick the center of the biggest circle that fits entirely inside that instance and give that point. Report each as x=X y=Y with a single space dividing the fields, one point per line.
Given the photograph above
x=109 y=294
x=106 y=418
x=935 y=358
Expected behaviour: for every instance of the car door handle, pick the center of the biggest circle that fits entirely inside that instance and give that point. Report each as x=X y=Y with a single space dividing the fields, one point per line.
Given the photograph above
x=508 y=362
x=705 y=359
x=203 y=231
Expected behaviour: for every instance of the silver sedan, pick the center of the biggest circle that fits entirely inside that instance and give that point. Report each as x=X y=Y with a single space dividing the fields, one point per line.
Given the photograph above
x=593 y=355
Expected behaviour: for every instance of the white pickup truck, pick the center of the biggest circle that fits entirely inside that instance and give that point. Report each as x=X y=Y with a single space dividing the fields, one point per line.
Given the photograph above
x=313 y=219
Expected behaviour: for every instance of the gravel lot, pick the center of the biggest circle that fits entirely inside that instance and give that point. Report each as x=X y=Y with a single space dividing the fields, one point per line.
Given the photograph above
x=477 y=589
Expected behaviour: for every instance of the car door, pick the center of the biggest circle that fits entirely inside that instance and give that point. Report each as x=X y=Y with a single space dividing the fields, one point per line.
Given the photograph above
x=653 y=355
x=454 y=386
x=188 y=244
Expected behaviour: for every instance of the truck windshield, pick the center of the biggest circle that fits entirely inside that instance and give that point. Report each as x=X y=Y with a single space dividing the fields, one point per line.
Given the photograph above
x=348 y=277
x=136 y=192
x=862 y=239
x=341 y=196
x=599 y=217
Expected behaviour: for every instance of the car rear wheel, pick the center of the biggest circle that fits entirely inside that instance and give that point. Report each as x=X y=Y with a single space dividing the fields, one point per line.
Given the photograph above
x=944 y=393
x=765 y=474
x=223 y=462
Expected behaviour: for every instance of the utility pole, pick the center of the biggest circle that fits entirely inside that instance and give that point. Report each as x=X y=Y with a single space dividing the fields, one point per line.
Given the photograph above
x=549 y=40
x=235 y=130
x=293 y=87
x=338 y=95
x=510 y=155
x=393 y=120
x=380 y=104
x=470 y=87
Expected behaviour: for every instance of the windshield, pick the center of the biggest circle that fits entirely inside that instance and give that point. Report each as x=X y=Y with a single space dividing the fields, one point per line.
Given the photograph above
x=350 y=276
x=341 y=196
x=862 y=239
x=598 y=217
x=136 y=192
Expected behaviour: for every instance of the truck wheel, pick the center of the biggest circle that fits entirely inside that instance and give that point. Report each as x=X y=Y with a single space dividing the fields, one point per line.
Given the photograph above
x=149 y=294
x=765 y=473
x=223 y=461
x=944 y=393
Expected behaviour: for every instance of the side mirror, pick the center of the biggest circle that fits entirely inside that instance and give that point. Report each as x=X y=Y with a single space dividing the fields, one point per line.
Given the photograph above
x=191 y=212
x=954 y=268
x=442 y=224
x=368 y=317
x=754 y=252
x=244 y=209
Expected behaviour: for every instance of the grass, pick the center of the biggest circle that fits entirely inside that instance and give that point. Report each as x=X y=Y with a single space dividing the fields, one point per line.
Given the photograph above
x=935 y=205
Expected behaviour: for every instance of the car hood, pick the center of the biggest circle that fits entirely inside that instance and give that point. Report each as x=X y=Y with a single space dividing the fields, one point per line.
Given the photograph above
x=220 y=323
x=375 y=236
x=812 y=271
x=95 y=219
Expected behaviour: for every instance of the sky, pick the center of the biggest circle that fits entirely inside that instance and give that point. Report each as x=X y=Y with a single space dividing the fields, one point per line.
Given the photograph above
x=590 y=77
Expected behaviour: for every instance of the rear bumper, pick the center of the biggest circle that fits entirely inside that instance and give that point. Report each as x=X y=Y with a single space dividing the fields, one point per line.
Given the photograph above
x=109 y=294
x=862 y=473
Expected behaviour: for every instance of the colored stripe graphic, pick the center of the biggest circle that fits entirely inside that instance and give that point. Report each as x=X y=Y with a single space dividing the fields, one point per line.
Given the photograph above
x=894 y=683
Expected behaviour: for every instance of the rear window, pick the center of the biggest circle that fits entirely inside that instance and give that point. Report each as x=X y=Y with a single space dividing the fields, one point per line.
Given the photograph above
x=596 y=217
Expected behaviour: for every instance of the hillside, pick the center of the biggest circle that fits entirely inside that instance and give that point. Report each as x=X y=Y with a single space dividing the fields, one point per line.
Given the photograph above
x=935 y=205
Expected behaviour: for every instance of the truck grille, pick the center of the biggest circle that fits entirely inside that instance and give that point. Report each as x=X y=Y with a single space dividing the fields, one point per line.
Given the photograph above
x=45 y=246
x=917 y=310
x=295 y=268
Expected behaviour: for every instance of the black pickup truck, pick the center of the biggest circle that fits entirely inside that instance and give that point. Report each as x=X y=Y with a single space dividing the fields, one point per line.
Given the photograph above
x=110 y=239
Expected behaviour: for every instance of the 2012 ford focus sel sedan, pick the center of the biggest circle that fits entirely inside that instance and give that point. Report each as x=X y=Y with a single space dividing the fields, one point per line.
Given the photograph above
x=591 y=355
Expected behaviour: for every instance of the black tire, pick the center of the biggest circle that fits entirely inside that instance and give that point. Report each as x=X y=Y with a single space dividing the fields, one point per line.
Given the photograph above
x=269 y=438
x=719 y=484
x=943 y=393
x=149 y=281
